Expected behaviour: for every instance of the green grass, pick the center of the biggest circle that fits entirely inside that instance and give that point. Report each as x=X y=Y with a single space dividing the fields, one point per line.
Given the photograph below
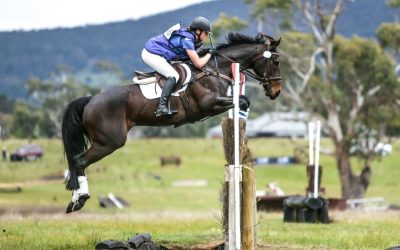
x=182 y=216
x=83 y=231
x=362 y=232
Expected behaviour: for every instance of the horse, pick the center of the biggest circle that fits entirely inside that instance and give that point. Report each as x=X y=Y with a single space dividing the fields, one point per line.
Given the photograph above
x=95 y=126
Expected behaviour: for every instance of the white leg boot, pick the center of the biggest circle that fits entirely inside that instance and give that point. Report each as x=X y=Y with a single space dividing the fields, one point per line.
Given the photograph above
x=79 y=196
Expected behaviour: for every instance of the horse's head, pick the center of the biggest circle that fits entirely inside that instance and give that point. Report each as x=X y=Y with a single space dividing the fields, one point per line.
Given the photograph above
x=265 y=65
x=260 y=54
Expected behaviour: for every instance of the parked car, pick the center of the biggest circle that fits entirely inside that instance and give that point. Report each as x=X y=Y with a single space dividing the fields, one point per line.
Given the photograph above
x=28 y=152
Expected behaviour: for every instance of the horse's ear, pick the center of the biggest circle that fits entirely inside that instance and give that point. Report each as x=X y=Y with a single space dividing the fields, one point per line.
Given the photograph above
x=276 y=43
x=260 y=37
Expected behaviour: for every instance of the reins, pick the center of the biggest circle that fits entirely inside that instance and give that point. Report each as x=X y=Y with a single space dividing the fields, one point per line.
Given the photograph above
x=208 y=72
x=264 y=81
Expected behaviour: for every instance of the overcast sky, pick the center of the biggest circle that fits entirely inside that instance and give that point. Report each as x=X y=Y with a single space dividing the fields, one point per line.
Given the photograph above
x=40 y=14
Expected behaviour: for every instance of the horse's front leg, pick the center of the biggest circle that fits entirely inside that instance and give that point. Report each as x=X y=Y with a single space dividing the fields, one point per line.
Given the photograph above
x=222 y=103
x=227 y=101
x=220 y=109
x=214 y=105
x=224 y=100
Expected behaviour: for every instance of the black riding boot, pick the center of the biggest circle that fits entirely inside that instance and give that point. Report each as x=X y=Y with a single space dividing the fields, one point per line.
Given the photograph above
x=162 y=108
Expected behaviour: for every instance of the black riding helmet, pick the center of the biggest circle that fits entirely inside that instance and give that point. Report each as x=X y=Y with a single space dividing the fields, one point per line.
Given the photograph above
x=201 y=23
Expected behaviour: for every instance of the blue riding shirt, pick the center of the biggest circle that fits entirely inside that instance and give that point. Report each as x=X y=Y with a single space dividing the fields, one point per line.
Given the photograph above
x=175 y=47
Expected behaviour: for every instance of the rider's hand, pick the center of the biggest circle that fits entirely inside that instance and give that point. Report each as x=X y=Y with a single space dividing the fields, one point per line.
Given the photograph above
x=213 y=52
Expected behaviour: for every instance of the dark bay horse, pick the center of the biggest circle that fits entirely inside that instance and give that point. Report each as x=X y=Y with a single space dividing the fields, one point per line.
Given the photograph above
x=95 y=126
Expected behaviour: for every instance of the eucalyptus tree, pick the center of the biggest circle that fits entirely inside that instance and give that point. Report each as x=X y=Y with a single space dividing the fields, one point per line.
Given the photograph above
x=389 y=34
x=349 y=84
x=53 y=95
x=227 y=23
x=276 y=13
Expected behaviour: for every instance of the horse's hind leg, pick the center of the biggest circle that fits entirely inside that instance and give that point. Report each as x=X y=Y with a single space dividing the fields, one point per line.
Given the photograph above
x=93 y=154
x=105 y=123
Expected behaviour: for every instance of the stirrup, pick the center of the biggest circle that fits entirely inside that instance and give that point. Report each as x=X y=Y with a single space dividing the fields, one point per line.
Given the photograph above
x=165 y=111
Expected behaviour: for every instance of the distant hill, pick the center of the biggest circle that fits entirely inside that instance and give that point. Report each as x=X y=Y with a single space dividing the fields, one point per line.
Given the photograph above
x=38 y=53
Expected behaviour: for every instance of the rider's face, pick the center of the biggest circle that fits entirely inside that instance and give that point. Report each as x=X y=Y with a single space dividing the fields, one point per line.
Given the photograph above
x=203 y=35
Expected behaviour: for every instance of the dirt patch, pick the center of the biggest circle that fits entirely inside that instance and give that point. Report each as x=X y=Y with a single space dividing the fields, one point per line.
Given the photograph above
x=52 y=177
x=215 y=245
x=16 y=187
x=10 y=187
x=30 y=210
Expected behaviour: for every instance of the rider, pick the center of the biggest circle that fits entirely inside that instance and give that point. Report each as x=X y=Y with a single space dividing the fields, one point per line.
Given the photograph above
x=175 y=44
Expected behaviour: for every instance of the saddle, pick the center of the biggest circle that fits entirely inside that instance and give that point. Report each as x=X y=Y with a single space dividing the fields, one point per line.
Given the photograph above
x=151 y=77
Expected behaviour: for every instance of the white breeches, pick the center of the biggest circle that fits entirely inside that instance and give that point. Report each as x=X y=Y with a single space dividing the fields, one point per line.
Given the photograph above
x=159 y=64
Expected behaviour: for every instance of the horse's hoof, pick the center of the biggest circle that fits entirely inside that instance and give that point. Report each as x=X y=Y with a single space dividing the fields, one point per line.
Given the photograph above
x=77 y=205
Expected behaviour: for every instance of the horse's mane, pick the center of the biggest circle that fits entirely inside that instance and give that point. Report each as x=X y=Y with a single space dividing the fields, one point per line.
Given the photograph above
x=234 y=38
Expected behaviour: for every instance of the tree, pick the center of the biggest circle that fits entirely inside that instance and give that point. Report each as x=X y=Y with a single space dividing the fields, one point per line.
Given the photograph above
x=54 y=95
x=227 y=23
x=389 y=37
x=277 y=13
x=6 y=121
x=6 y=109
x=349 y=84
x=30 y=122
x=25 y=121
x=395 y=4
x=389 y=34
x=6 y=104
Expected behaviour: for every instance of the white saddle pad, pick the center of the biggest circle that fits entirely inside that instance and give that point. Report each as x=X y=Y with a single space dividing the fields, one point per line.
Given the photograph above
x=151 y=90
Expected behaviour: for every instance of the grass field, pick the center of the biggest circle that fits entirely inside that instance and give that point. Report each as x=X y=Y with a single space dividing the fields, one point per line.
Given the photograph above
x=176 y=216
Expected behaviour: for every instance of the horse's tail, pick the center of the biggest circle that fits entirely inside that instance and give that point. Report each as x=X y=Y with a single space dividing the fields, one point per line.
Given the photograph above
x=74 y=138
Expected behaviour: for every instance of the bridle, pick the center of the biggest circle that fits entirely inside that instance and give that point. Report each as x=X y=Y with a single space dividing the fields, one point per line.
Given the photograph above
x=264 y=81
